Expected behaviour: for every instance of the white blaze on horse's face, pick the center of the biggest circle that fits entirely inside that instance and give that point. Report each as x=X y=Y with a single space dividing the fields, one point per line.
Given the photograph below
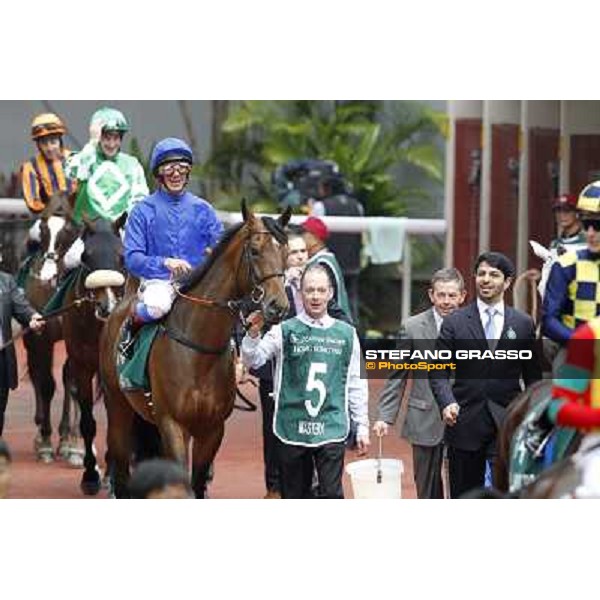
x=49 y=269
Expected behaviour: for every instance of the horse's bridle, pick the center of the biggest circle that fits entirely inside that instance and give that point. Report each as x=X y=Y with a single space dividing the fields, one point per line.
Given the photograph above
x=256 y=294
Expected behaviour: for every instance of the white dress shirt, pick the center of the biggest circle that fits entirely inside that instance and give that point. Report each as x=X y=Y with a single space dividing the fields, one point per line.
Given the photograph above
x=438 y=320
x=498 y=317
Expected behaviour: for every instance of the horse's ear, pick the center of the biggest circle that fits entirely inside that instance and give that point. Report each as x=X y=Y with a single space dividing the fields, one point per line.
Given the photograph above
x=66 y=206
x=284 y=218
x=120 y=223
x=50 y=208
x=89 y=224
x=246 y=213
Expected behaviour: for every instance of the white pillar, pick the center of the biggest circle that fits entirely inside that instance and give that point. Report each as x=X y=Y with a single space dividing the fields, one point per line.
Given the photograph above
x=449 y=183
x=523 y=210
x=564 y=149
x=406 y=279
x=485 y=204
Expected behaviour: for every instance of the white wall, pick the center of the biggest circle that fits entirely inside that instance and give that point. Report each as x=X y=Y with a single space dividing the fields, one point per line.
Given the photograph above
x=465 y=109
x=581 y=117
x=543 y=113
x=503 y=111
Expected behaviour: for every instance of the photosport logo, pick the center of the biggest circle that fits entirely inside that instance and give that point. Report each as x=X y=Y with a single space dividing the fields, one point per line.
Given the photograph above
x=471 y=359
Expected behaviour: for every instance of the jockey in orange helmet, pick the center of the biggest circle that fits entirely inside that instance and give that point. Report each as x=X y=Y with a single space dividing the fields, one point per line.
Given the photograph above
x=43 y=175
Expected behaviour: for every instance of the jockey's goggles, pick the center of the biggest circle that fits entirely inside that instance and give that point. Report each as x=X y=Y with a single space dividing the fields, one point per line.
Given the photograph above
x=593 y=223
x=181 y=167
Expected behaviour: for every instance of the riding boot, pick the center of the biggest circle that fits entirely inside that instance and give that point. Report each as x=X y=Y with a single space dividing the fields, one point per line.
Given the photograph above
x=130 y=329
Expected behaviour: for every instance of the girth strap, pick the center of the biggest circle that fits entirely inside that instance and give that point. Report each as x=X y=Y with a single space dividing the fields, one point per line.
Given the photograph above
x=178 y=337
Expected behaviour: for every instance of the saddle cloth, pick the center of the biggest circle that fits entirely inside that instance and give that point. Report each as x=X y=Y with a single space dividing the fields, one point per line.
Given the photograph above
x=133 y=371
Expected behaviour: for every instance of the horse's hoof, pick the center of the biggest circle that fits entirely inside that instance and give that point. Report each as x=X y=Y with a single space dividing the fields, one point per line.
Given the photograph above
x=45 y=456
x=75 y=458
x=37 y=442
x=43 y=450
x=64 y=449
x=91 y=487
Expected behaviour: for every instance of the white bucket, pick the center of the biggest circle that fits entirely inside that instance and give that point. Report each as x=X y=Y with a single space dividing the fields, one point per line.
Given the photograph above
x=363 y=474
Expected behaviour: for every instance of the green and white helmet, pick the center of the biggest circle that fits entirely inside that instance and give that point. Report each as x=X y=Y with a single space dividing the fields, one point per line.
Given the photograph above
x=111 y=120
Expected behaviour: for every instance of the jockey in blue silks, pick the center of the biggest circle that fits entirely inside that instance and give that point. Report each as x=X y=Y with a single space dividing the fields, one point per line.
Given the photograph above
x=168 y=233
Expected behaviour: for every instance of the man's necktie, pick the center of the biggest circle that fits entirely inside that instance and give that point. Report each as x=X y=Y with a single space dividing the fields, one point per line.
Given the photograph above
x=490 y=328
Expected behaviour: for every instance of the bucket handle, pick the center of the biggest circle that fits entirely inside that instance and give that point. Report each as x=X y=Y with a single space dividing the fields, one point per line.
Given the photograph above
x=379 y=454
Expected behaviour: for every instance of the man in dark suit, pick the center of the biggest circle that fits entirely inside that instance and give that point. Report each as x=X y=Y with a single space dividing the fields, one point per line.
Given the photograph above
x=423 y=426
x=12 y=304
x=473 y=408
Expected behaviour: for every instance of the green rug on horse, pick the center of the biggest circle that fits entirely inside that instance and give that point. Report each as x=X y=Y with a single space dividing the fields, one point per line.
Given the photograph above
x=133 y=373
x=57 y=299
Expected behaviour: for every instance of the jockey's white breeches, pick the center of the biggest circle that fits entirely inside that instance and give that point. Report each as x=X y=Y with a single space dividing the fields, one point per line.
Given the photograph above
x=158 y=296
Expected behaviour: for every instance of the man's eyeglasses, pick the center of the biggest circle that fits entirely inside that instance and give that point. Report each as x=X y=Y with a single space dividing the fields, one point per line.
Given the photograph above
x=593 y=223
x=181 y=167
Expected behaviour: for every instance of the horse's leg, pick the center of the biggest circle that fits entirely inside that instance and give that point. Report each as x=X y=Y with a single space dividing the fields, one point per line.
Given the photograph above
x=64 y=427
x=174 y=440
x=83 y=391
x=120 y=424
x=146 y=440
x=203 y=453
x=39 y=363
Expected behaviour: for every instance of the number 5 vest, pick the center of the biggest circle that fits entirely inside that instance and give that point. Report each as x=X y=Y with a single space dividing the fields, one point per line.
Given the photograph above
x=311 y=405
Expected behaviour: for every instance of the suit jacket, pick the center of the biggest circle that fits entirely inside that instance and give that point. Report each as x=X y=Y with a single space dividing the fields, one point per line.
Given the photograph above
x=483 y=388
x=12 y=304
x=423 y=424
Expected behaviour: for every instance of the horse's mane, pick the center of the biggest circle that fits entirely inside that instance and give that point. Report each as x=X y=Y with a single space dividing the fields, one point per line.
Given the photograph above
x=198 y=273
x=273 y=227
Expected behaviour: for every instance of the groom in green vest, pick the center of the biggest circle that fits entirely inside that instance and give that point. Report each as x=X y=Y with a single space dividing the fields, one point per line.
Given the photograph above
x=318 y=389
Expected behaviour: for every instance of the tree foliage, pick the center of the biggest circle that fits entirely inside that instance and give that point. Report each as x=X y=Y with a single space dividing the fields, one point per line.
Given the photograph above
x=368 y=140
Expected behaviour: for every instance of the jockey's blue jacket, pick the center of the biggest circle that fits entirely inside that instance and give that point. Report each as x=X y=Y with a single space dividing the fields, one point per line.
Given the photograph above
x=164 y=226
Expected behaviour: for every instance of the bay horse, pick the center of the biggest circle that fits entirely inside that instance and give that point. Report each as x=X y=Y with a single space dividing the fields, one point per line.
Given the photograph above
x=190 y=366
x=56 y=235
x=93 y=295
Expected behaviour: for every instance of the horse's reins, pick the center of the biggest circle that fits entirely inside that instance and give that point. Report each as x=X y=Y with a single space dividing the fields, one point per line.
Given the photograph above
x=256 y=283
x=51 y=315
x=234 y=305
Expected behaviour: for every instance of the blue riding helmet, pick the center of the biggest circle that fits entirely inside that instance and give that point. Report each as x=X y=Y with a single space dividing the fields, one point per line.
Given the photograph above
x=169 y=150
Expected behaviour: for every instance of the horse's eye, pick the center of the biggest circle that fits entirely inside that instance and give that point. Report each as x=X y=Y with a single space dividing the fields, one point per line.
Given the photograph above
x=254 y=252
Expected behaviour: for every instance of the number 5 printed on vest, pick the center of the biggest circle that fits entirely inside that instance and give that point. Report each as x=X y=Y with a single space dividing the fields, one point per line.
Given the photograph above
x=315 y=384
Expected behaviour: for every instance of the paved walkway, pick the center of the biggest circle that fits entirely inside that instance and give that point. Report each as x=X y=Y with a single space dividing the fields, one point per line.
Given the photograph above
x=238 y=468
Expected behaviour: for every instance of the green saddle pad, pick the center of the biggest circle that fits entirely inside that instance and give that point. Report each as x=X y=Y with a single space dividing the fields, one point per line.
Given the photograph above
x=133 y=374
x=57 y=299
